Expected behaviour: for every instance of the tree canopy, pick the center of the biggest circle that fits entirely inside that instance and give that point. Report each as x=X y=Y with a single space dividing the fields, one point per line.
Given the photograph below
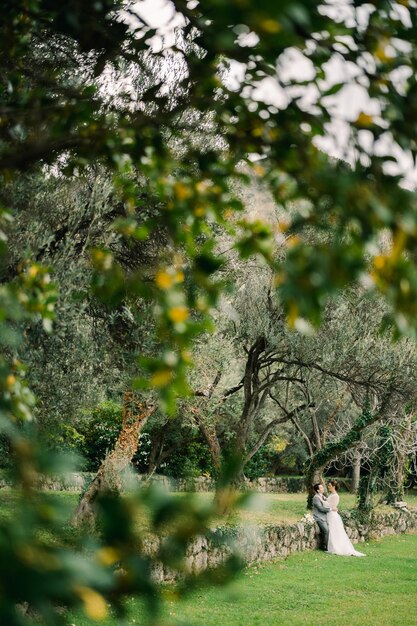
x=164 y=130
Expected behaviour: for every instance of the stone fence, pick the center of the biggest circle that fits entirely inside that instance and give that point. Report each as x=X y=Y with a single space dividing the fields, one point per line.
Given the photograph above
x=78 y=481
x=266 y=484
x=264 y=543
x=254 y=543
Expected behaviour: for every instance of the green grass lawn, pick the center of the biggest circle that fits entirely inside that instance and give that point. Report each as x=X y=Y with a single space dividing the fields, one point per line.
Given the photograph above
x=262 y=508
x=276 y=508
x=285 y=508
x=310 y=588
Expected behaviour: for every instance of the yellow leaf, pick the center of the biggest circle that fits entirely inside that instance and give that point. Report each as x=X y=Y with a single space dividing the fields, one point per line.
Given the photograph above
x=164 y=280
x=364 y=119
x=379 y=261
x=201 y=304
x=95 y=606
x=202 y=186
x=107 y=556
x=182 y=191
x=400 y=239
x=270 y=26
x=98 y=255
x=278 y=279
x=405 y=286
x=187 y=356
x=282 y=227
x=10 y=380
x=273 y=134
x=292 y=241
x=382 y=52
x=199 y=211
x=259 y=170
x=178 y=314
x=102 y=260
x=292 y=314
x=258 y=131
x=161 y=378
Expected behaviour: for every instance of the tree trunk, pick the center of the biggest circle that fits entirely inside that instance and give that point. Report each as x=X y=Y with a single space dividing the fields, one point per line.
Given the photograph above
x=156 y=450
x=209 y=433
x=313 y=476
x=164 y=453
x=356 y=472
x=398 y=463
x=109 y=475
x=366 y=492
x=316 y=464
x=225 y=498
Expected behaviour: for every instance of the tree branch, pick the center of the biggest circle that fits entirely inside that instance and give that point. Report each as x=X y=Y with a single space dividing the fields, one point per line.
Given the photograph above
x=264 y=436
x=208 y=392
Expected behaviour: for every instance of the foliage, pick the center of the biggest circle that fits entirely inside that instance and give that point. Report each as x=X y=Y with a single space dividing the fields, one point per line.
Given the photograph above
x=83 y=571
x=99 y=431
x=294 y=457
x=189 y=461
x=5 y=458
x=267 y=458
x=183 y=147
x=94 y=435
x=371 y=482
x=47 y=574
x=292 y=166
x=366 y=492
x=260 y=463
x=141 y=458
x=65 y=438
x=93 y=348
x=309 y=387
x=411 y=471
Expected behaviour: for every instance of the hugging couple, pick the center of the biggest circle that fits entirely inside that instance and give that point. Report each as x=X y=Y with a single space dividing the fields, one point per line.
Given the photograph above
x=333 y=535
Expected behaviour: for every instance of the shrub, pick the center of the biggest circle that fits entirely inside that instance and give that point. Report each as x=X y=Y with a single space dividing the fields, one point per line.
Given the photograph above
x=99 y=428
x=261 y=463
x=191 y=460
x=5 y=456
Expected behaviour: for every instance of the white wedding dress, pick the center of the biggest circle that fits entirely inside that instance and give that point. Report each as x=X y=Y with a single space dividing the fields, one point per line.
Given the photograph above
x=339 y=542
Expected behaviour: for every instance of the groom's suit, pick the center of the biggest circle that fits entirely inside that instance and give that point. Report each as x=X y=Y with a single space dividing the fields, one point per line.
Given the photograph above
x=320 y=510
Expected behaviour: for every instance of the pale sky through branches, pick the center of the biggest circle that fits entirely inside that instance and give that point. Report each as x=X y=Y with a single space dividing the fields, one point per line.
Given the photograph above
x=344 y=107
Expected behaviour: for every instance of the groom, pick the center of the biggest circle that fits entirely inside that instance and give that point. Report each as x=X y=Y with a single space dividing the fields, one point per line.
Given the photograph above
x=320 y=510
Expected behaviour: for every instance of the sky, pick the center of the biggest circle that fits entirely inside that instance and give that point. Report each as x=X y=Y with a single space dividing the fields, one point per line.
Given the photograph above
x=344 y=106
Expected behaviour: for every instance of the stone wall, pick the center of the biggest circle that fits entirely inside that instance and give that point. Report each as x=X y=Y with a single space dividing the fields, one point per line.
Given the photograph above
x=78 y=481
x=73 y=481
x=254 y=543
x=267 y=484
x=277 y=484
x=259 y=544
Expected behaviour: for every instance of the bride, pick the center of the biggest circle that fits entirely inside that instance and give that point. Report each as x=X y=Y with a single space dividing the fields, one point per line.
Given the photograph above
x=339 y=542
